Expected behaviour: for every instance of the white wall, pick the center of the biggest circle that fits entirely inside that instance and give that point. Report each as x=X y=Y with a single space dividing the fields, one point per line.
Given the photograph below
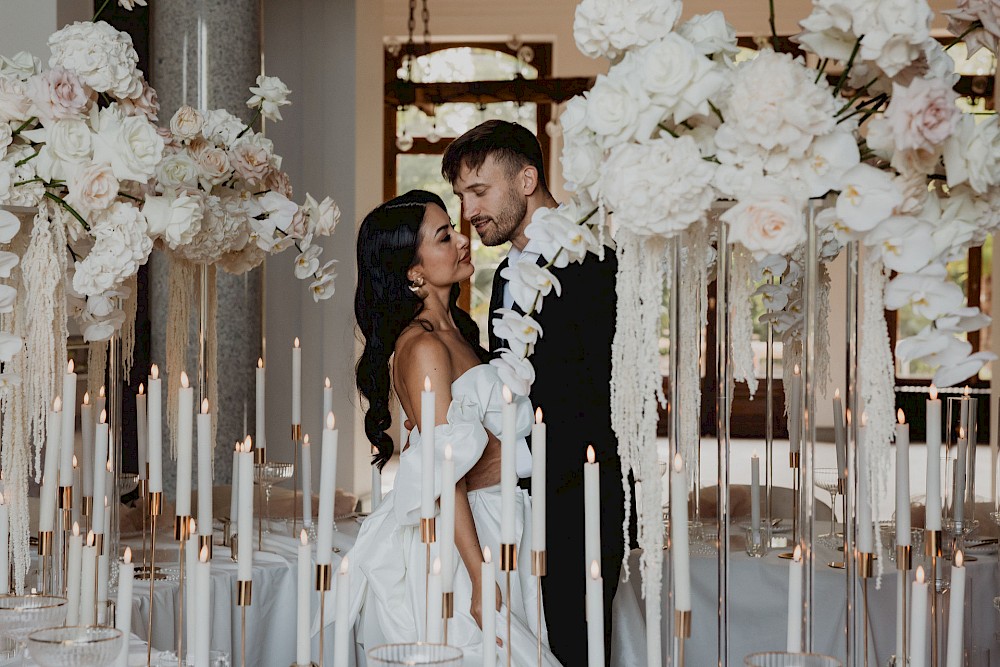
x=27 y=24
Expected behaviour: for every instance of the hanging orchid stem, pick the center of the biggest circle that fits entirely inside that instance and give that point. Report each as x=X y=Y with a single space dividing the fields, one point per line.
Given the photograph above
x=850 y=64
x=716 y=111
x=30 y=180
x=875 y=109
x=667 y=130
x=770 y=20
x=975 y=26
x=315 y=274
x=24 y=126
x=122 y=194
x=253 y=120
x=822 y=69
x=857 y=96
x=877 y=101
x=75 y=258
x=27 y=159
x=62 y=202
x=98 y=13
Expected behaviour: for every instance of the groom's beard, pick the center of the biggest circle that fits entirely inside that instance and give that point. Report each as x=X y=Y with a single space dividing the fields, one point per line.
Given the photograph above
x=500 y=229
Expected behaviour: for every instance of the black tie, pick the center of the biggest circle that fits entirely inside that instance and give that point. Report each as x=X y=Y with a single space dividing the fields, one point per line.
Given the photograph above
x=496 y=301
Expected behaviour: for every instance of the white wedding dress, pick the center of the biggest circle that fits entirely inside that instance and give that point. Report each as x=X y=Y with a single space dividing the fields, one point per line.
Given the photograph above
x=388 y=559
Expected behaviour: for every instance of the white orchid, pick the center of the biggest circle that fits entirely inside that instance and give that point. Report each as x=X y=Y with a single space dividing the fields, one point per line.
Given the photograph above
x=307 y=262
x=8 y=260
x=10 y=345
x=558 y=238
x=7 y=296
x=905 y=243
x=529 y=283
x=515 y=371
x=324 y=286
x=520 y=331
x=868 y=197
x=956 y=371
x=927 y=292
x=963 y=320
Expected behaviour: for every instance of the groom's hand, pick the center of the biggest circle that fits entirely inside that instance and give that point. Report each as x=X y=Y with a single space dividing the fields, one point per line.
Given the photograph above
x=486 y=472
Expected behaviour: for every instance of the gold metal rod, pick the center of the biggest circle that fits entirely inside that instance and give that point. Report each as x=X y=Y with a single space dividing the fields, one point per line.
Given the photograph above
x=680 y=652
x=508 y=618
x=902 y=582
x=864 y=602
x=145 y=511
x=296 y=437
x=427 y=588
x=322 y=623
x=932 y=538
x=243 y=636
x=180 y=605
x=538 y=612
x=152 y=581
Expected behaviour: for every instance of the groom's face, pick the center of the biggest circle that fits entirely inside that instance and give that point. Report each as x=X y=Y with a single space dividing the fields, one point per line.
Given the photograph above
x=492 y=200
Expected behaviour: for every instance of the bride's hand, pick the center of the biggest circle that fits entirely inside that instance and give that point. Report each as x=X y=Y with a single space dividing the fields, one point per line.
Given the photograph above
x=477 y=606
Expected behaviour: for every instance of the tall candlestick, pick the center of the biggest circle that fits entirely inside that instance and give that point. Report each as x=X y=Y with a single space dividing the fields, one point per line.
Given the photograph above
x=488 y=594
x=794 y=410
x=866 y=529
x=205 y=482
x=794 y=633
x=155 y=425
x=956 y=612
x=185 y=423
x=50 y=477
x=327 y=396
x=958 y=499
x=100 y=471
x=902 y=480
x=234 y=491
x=296 y=383
x=306 y=476
x=327 y=492
x=261 y=411
x=840 y=435
x=342 y=630
x=123 y=608
x=4 y=547
x=203 y=608
x=88 y=582
x=376 y=484
x=508 y=468
x=142 y=429
x=538 y=473
x=446 y=544
x=245 y=564
x=755 y=498
x=434 y=620
x=595 y=616
x=303 y=617
x=68 y=427
x=427 y=423
x=77 y=509
x=74 y=574
x=190 y=589
x=933 y=420
x=87 y=431
x=591 y=509
x=681 y=556
x=102 y=401
x=918 y=622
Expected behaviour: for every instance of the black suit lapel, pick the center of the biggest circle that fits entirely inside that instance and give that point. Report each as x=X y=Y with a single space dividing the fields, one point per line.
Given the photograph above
x=496 y=301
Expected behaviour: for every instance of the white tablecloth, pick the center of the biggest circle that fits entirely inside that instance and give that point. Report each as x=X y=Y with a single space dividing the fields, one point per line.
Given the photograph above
x=270 y=619
x=758 y=590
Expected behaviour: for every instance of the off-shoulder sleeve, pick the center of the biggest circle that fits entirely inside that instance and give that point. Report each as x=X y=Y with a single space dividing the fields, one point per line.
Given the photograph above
x=493 y=420
x=467 y=437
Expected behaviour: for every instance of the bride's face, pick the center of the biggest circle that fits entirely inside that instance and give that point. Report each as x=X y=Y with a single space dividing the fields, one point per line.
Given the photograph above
x=443 y=254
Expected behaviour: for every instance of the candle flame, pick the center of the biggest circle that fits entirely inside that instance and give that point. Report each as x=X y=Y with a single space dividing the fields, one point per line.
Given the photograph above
x=304 y=537
x=920 y=574
x=74 y=462
x=305 y=440
x=184 y=380
x=203 y=554
x=154 y=372
x=797 y=554
x=900 y=417
x=934 y=392
x=538 y=415
x=966 y=392
x=345 y=565
x=100 y=392
x=754 y=455
x=76 y=528
x=487 y=555
x=326 y=383
x=247 y=444
x=678 y=462
x=795 y=369
x=239 y=446
x=104 y=417
x=260 y=362
x=427 y=383
x=107 y=466
x=447 y=452
x=959 y=559
x=836 y=392
x=192 y=526
x=436 y=568
x=595 y=570
x=864 y=419
x=69 y=366
x=142 y=389
x=330 y=422
x=128 y=555
x=507 y=395
x=204 y=406
x=961 y=433
x=847 y=413
x=591 y=458
x=91 y=538
x=86 y=398
x=295 y=343
x=57 y=404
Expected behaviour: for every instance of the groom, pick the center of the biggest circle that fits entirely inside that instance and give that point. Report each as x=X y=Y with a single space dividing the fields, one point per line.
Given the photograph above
x=496 y=170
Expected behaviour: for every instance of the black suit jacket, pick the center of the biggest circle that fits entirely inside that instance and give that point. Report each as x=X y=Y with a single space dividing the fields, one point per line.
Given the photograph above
x=572 y=361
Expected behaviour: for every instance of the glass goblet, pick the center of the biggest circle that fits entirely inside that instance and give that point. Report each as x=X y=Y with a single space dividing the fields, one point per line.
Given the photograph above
x=267 y=474
x=828 y=479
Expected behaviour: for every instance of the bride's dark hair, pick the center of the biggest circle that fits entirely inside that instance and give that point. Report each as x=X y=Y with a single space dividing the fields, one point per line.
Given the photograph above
x=384 y=305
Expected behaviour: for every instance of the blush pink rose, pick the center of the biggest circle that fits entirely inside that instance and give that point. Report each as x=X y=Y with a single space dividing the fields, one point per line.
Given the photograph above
x=145 y=104
x=252 y=163
x=922 y=115
x=93 y=188
x=58 y=94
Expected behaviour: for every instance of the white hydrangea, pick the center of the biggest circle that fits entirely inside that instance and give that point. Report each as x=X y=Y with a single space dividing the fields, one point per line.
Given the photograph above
x=100 y=55
x=610 y=27
x=121 y=245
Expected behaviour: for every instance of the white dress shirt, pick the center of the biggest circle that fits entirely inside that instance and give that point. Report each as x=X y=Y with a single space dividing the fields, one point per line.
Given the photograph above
x=513 y=257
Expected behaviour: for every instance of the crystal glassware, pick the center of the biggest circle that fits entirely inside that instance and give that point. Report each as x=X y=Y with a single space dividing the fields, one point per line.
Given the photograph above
x=268 y=474
x=782 y=659
x=415 y=654
x=127 y=481
x=828 y=479
x=20 y=615
x=75 y=646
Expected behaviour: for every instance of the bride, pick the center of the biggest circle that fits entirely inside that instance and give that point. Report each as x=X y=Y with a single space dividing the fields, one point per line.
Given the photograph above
x=410 y=263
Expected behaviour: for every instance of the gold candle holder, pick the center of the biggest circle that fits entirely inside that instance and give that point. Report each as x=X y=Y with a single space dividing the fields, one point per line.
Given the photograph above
x=539 y=568
x=155 y=501
x=45 y=543
x=296 y=432
x=447 y=606
x=65 y=497
x=682 y=631
x=794 y=458
x=904 y=557
x=866 y=564
x=539 y=563
x=87 y=509
x=45 y=558
x=324 y=581
x=428 y=530
x=841 y=486
x=99 y=543
x=244 y=598
x=932 y=544
x=205 y=542
x=508 y=557
x=244 y=593
x=182 y=528
x=259 y=455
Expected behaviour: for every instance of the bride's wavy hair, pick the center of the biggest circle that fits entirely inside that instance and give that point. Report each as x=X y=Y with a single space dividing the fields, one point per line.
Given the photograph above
x=384 y=304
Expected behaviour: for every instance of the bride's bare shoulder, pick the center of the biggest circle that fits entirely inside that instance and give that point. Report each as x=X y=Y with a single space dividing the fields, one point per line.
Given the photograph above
x=420 y=353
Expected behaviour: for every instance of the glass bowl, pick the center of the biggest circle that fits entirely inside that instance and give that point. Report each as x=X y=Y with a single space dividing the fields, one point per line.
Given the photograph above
x=415 y=654
x=783 y=659
x=75 y=646
x=20 y=615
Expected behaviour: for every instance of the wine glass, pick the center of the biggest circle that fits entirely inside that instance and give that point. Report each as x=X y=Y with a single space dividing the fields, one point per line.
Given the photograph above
x=20 y=615
x=267 y=474
x=75 y=646
x=828 y=479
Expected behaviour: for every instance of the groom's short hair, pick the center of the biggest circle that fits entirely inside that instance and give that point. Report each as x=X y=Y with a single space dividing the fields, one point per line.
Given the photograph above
x=513 y=146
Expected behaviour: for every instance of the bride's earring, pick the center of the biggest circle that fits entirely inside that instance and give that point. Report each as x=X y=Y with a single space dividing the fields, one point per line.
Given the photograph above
x=416 y=286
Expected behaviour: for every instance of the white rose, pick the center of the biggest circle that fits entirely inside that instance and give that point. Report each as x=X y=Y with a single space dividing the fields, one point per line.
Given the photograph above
x=213 y=164
x=893 y=33
x=57 y=94
x=581 y=163
x=618 y=111
x=322 y=216
x=178 y=170
x=121 y=245
x=176 y=219
x=520 y=331
x=15 y=105
x=918 y=120
x=67 y=147
x=767 y=224
x=573 y=118
x=868 y=197
x=186 y=123
x=609 y=27
x=221 y=127
x=529 y=284
x=130 y=144
x=92 y=188
x=711 y=35
x=972 y=153
x=23 y=65
x=251 y=162
x=269 y=94
x=101 y=56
